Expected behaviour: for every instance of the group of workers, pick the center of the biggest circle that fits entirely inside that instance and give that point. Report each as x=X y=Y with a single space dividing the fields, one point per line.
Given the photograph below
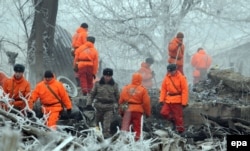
x=132 y=102
x=51 y=92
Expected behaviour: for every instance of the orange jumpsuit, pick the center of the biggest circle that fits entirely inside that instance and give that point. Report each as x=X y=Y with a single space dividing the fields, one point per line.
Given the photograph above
x=146 y=75
x=86 y=57
x=138 y=103
x=173 y=49
x=79 y=38
x=174 y=95
x=49 y=102
x=201 y=62
x=16 y=87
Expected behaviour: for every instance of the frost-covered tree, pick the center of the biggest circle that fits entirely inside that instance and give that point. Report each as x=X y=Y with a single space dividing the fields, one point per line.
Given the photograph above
x=40 y=44
x=129 y=31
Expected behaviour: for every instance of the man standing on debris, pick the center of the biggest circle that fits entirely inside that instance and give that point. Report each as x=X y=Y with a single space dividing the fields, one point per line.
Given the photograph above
x=86 y=63
x=147 y=73
x=134 y=102
x=78 y=39
x=17 y=86
x=53 y=97
x=176 y=51
x=106 y=95
x=201 y=61
x=174 y=96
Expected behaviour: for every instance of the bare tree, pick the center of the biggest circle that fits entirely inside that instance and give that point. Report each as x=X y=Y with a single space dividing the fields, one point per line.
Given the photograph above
x=40 y=44
x=17 y=44
x=130 y=31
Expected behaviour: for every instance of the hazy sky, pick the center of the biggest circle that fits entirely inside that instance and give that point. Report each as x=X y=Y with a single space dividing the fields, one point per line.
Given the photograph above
x=213 y=34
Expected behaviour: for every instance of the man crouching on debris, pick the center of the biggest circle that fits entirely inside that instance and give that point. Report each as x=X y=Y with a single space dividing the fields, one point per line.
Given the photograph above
x=173 y=96
x=134 y=102
x=53 y=97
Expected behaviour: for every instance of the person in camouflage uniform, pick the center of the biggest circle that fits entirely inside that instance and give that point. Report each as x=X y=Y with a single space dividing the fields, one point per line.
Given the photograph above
x=106 y=96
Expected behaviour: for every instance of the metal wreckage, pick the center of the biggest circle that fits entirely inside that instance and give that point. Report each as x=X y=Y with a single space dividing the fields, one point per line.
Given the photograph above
x=217 y=107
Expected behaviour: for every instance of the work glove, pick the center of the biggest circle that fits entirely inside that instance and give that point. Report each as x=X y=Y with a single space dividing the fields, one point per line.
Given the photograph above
x=161 y=103
x=29 y=114
x=179 y=44
x=69 y=112
x=115 y=108
x=73 y=53
x=94 y=76
x=153 y=73
x=184 y=106
x=89 y=108
x=76 y=67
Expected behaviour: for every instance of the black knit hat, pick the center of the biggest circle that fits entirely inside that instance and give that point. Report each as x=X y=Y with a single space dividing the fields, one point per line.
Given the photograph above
x=19 y=68
x=84 y=25
x=179 y=35
x=171 y=67
x=108 y=72
x=150 y=60
x=48 y=74
x=91 y=39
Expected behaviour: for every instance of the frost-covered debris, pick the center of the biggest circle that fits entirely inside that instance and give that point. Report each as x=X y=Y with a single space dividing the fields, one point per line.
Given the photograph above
x=74 y=134
x=33 y=136
x=31 y=133
x=10 y=139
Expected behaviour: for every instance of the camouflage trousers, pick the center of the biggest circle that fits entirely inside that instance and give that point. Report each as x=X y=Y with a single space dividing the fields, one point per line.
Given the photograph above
x=104 y=116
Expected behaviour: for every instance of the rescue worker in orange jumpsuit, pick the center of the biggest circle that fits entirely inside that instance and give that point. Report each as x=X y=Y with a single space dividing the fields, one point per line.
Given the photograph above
x=17 y=86
x=147 y=73
x=138 y=100
x=174 y=96
x=47 y=91
x=86 y=60
x=201 y=61
x=176 y=51
x=78 y=39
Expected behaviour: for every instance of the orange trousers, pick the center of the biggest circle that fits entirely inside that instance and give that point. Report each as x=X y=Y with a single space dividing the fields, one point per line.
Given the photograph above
x=86 y=79
x=54 y=115
x=134 y=119
x=174 y=112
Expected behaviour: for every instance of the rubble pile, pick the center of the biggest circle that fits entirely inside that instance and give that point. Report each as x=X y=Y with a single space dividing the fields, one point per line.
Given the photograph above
x=217 y=107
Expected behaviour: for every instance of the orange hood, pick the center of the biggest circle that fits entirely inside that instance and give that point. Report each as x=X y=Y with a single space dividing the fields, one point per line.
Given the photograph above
x=136 y=79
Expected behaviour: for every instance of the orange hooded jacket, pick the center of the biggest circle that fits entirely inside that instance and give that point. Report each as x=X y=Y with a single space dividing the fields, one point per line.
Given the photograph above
x=136 y=95
x=201 y=60
x=173 y=50
x=87 y=55
x=13 y=87
x=3 y=77
x=147 y=76
x=80 y=37
x=48 y=100
x=169 y=94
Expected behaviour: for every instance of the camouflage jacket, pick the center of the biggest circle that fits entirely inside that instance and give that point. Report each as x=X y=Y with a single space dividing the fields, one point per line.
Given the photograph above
x=104 y=93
